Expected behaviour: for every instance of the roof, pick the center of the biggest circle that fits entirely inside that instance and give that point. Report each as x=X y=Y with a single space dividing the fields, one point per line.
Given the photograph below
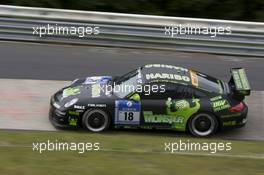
x=167 y=73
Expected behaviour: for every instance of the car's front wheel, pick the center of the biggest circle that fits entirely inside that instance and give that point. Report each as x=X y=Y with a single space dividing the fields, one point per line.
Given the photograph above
x=96 y=120
x=203 y=124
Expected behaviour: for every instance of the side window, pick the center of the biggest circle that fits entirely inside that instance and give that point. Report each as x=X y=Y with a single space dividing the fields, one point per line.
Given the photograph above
x=189 y=92
x=172 y=90
x=199 y=94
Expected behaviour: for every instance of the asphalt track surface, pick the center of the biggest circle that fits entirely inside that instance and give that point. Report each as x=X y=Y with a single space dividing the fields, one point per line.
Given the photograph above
x=57 y=62
x=24 y=102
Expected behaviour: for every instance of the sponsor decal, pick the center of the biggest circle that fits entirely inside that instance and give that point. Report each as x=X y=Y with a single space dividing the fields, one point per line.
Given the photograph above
x=96 y=90
x=177 y=106
x=97 y=79
x=194 y=78
x=146 y=127
x=177 y=113
x=167 y=76
x=220 y=105
x=129 y=104
x=70 y=91
x=97 y=105
x=237 y=80
x=183 y=108
x=72 y=120
x=78 y=107
x=230 y=123
x=231 y=115
x=127 y=112
x=73 y=113
x=166 y=66
x=149 y=117
x=79 y=110
x=130 y=127
x=241 y=81
x=181 y=104
x=219 y=97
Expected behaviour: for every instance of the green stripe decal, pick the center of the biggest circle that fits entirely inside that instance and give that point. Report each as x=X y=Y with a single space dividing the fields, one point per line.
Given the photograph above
x=243 y=79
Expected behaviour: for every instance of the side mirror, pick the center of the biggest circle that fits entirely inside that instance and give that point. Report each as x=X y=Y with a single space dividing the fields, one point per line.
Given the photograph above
x=135 y=97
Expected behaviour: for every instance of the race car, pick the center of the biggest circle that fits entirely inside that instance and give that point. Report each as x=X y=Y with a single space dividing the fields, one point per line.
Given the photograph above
x=152 y=96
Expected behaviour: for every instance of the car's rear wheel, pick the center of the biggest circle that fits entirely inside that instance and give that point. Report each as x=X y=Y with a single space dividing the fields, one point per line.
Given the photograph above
x=203 y=124
x=96 y=120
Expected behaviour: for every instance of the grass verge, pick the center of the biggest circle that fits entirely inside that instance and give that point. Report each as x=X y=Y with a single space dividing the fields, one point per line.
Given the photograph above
x=124 y=153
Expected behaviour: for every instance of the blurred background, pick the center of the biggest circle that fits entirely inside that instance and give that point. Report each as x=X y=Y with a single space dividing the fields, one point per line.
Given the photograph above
x=245 y=10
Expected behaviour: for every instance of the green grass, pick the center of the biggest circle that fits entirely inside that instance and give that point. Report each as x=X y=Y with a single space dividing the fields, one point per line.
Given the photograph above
x=124 y=152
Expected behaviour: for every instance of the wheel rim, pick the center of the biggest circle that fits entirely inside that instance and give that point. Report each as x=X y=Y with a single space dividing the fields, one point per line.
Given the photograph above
x=203 y=124
x=96 y=121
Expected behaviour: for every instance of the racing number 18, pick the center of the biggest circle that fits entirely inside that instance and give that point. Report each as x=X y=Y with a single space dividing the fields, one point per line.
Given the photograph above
x=129 y=116
x=127 y=112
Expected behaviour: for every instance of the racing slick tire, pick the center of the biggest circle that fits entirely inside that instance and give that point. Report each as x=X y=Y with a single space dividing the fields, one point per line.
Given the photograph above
x=203 y=124
x=96 y=120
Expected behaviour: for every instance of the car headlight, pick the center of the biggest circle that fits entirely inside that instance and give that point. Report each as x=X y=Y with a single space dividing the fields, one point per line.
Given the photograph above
x=56 y=105
x=70 y=103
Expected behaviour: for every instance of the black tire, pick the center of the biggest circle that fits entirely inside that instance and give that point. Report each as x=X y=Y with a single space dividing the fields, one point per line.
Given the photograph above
x=203 y=124
x=96 y=120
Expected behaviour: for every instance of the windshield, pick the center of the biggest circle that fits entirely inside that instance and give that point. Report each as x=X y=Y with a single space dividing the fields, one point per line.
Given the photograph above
x=127 y=83
x=209 y=83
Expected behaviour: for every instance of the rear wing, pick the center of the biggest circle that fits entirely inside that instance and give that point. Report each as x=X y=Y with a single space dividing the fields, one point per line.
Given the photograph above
x=239 y=82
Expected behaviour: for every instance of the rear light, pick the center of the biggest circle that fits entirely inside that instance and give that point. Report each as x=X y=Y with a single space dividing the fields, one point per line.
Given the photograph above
x=238 y=108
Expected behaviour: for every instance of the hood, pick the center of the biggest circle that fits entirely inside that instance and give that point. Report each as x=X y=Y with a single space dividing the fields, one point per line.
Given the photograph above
x=89 y=87
x=92 y=80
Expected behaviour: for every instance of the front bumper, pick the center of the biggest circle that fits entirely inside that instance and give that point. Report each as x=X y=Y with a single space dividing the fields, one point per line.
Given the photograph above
x=59 y=119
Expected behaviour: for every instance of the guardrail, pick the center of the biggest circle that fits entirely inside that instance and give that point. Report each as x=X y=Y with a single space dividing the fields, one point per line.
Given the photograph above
x=128 y=30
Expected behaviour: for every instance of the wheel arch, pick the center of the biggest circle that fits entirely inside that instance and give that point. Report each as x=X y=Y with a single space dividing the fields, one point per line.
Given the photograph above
x=100 y=109
x=202 y=111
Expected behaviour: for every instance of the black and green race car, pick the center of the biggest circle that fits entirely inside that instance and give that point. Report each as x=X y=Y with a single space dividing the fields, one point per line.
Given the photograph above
x=153 y=96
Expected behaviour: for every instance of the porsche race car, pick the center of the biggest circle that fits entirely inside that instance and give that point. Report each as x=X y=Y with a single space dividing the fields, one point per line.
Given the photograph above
x=156 y=96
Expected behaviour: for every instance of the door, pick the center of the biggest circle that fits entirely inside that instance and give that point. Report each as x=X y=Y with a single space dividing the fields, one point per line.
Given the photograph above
x=154 y=108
